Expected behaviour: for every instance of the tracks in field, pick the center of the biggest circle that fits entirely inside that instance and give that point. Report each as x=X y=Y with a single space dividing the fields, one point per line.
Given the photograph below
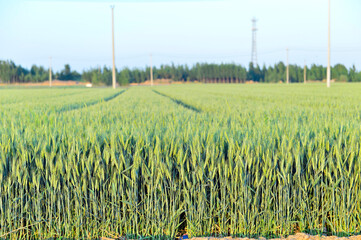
x=77 y=106
x=179 y=102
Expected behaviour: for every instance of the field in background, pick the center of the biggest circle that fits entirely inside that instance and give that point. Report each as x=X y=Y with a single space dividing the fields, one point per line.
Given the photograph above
x=55 y=83
x=242 y=160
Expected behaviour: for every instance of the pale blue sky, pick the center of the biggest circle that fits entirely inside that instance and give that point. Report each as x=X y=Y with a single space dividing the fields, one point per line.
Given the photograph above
x=79 y=32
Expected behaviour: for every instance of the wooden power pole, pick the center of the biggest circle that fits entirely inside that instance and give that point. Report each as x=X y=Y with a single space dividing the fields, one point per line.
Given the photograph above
x=305 y=73
x=151 y=70
x=114 y=80
x=50 y=74
x=329 y=47
x=287 y=69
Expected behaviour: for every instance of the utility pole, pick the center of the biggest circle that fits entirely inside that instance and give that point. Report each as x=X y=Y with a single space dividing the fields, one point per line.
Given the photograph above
x=254 y=42
x=329 y=46
x=114 y=81
x=305 y=74
x=151 y=70
x=287 y=70
x=50 y=73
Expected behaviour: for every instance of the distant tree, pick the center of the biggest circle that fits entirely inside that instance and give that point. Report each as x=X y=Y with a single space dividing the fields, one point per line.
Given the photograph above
x=339 y=72
x=353 y=75
x=254 y=73
x=67 y=74
x=317 y=72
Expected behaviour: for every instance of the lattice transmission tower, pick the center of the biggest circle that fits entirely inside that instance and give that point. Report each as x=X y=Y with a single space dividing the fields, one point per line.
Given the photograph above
x=254 y=42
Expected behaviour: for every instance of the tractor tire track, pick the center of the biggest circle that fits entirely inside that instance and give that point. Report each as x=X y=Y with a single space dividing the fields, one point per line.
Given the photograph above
x=179 y=102
x=78 y=106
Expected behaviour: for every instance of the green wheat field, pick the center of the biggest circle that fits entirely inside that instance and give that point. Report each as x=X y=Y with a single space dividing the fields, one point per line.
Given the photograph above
x=206 y=159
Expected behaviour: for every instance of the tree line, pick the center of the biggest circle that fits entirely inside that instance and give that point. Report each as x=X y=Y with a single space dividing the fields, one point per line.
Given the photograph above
x=12 y=73
x=201 y=72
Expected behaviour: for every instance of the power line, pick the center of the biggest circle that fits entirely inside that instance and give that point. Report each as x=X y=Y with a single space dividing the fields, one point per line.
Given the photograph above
x=65 y=58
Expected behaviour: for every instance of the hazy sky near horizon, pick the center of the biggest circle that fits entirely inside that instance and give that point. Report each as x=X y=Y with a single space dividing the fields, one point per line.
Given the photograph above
x=180 y=32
